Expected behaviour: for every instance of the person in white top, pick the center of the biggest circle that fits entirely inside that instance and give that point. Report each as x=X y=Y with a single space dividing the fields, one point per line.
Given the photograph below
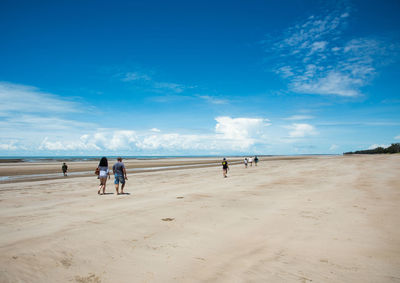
x=103 y=173
x=251 y=161
x=245 y=162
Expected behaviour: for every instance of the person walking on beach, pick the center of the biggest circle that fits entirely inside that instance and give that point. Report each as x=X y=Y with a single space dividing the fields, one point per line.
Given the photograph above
x=251 y=161
x=64 y=169
x=225 y=167
x=245 y=162
x=104 y=172
x=120 y=175
x=255 y=160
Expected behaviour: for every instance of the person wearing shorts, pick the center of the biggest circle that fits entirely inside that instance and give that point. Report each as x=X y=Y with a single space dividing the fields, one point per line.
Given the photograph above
x=103 y=174
x=225 y=168
x=120 y=175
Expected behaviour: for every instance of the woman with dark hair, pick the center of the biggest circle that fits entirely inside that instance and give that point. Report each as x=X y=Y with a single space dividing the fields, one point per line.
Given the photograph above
x=103 y=173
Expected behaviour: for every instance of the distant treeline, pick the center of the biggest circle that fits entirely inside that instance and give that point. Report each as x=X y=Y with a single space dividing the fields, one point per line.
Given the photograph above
x=394 y=148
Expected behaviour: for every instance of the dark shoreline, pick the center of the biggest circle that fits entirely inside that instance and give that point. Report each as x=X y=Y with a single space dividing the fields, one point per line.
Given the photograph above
x=12 y=160
x=37 y=159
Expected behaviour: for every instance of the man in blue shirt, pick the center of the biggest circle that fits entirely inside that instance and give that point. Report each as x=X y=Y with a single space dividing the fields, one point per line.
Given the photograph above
x=120 y=175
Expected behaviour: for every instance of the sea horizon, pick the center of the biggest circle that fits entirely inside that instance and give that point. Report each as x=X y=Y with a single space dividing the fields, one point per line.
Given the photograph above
x=33 y=158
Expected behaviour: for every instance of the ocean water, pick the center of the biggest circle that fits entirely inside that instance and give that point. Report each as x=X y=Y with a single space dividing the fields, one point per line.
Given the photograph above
x=86 y=158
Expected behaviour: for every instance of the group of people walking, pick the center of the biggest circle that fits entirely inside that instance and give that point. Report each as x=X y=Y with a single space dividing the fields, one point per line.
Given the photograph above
x=247 y=160
x=103 y=173
x=250 y=160
x=119 y=172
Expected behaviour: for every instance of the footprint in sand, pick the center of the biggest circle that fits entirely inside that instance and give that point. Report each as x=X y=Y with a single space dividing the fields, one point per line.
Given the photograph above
x=168 y=219
x=66 y=262
x=307 y=214
x=179 y=197
x=91 y=278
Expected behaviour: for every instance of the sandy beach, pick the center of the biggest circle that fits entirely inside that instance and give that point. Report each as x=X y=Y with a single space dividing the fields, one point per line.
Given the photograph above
x=46 y=170
x=313 y=218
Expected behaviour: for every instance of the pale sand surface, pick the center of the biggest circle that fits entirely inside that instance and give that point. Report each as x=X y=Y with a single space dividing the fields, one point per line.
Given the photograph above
x=325 y=219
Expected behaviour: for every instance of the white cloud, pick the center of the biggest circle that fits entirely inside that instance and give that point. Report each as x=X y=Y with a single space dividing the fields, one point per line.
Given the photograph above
x=149 y=83
x=345 y=15
x=318 y=46
x=240 y=128
x=178 y=88
x=303 y=35
x=299 y=117
x=397 y=137
x=240 y=132
x=333 y=147
x=40 y=123
x=28 y=115
x=121 y=140
x=301 y=130
x=174 y=141
x=8 y=146
x=213 y=100
x=130 y=141
x=339 y=66
x=135 y=76
x=335 y=83
x=373 y=146
x=114 y=140
x=237 y=134
x=37 y=124
x=17 y=98
x=82 y=144
x=285 y=71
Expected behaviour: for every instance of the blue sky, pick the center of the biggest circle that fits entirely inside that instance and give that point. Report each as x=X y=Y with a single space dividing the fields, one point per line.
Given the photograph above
x=198 y=77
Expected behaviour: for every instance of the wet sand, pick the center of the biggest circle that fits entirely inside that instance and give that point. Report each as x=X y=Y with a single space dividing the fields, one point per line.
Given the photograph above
x=46 y=170
x=320 y=219
x=49 y=167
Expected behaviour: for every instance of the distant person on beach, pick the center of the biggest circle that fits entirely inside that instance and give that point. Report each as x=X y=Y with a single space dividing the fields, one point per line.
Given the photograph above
x=255 y=160
x=251 y=161
x=64 y=169
x=120 y=175
x=245 y=162
x=104 y=172
x=225 y=167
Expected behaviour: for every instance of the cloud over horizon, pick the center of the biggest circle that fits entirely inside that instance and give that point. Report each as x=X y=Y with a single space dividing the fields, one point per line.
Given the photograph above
x=237 y=134
x=45 y=129
x=33 y=121
x=301 y=130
